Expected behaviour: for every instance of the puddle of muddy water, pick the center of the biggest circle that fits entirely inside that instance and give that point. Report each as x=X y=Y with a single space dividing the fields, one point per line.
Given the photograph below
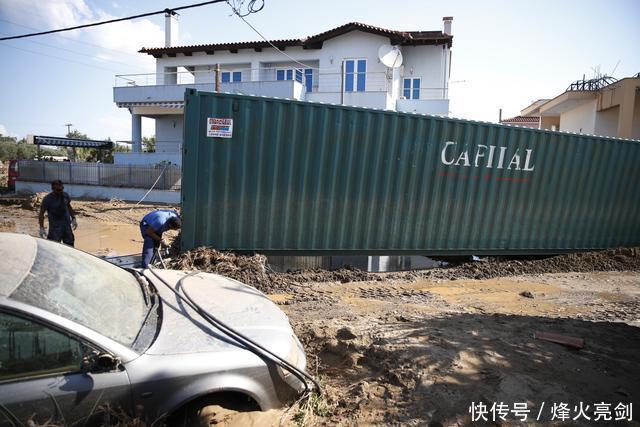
x=108 y=239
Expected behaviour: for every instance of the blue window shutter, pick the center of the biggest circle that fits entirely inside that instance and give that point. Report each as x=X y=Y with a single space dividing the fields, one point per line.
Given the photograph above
x=298 y=75
x=348 y=66
x=279 y=74
x=407 y=83
x=362 y=66
x=348 y=82
x=308 y=79
x=407 y=93
x=226 y=77
x=289 y=74
x=237 y=76
x=416 y=88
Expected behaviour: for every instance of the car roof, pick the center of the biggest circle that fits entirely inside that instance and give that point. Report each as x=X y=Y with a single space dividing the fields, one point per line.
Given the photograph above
x=17 y=252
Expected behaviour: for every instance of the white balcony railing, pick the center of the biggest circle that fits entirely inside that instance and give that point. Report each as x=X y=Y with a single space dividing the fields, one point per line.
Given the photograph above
x=321 y=82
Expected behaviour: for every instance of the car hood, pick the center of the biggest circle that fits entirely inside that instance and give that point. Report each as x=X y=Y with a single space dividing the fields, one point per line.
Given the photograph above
x=237 y=305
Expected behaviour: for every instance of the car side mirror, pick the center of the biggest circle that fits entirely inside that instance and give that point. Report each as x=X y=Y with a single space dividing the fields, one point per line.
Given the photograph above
x=97 y=362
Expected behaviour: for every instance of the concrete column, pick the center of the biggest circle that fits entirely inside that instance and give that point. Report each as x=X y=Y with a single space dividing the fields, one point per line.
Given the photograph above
x=255 y=71
x=625 y=115
x=136 y=132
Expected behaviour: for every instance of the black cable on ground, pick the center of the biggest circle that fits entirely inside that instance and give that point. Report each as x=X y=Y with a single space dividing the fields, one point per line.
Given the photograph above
x=251 y=345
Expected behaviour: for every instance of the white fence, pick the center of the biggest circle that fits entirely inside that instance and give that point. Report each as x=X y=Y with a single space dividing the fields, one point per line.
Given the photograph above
x=168 y=177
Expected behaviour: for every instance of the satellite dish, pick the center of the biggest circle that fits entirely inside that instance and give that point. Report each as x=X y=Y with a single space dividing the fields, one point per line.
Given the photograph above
x=390 y=55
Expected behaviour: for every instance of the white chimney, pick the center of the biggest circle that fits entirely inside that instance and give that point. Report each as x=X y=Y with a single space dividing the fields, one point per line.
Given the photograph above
x=170 y=28
x=447 y=24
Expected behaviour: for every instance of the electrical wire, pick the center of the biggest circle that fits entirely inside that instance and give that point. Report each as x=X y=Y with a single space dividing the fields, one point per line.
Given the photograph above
x=74 y=40
x=111 y=21
x=59 y=57
x=241 y=16
x=70 y=50
x=251 y=345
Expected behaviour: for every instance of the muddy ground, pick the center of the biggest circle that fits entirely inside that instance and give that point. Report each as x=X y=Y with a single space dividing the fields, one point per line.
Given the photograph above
x=418 y=348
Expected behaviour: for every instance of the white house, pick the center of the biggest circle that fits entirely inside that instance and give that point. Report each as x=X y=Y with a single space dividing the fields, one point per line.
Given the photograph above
x=340 y=66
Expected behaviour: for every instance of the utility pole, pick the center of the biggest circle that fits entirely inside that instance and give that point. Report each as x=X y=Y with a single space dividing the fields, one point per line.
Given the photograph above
x=218 y=77
x=68 y=125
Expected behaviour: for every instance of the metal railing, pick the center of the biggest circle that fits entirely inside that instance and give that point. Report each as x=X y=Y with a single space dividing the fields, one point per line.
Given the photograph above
x=328 y=81
x=169 y=177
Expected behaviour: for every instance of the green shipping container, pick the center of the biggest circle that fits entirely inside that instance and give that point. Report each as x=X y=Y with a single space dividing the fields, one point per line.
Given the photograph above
x=289 y=177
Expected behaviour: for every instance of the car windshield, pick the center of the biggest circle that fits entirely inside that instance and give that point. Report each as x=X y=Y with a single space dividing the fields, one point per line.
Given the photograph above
x=85 y=289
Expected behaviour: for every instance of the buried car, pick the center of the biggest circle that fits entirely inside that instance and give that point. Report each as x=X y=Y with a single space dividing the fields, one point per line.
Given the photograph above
x=82 y=340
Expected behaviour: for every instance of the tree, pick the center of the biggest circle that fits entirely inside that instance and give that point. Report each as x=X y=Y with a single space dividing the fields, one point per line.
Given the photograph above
x=149 y=144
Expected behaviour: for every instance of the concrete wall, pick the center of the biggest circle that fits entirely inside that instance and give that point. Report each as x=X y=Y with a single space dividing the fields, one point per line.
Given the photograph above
x=580 y=119
x=607 y=122
x=438 y=107
x=430 y=64
x=99 y=192
x=147 y=158
x=163 y=93
x=169 y=130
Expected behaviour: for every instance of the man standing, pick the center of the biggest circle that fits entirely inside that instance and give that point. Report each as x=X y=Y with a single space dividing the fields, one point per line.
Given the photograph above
x=152 y=226
x=61 y=216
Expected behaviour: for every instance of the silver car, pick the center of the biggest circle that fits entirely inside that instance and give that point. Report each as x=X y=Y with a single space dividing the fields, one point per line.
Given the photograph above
x=82 y=340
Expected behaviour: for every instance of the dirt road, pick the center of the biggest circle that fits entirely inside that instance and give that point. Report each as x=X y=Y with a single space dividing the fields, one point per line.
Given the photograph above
x=422 y=348
x=420 y=353
x=104 y=227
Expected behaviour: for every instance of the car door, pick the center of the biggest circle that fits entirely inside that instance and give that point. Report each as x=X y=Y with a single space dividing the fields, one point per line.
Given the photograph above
x=41 y=377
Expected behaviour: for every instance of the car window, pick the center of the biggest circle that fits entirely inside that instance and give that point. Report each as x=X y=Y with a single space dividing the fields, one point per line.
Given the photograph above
x=29 y=349
x=85 y=289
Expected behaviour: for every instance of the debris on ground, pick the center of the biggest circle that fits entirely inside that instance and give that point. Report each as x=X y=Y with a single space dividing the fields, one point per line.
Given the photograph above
x=526 y=294
x=560 y=339
x=33 y=202
x=254 y=270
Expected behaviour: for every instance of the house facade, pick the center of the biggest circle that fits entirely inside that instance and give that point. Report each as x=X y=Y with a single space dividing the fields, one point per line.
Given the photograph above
x=340 y=66
x=602 y=106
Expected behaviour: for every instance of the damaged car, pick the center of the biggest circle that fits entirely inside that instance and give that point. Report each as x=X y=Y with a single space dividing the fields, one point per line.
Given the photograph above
x=84 y=341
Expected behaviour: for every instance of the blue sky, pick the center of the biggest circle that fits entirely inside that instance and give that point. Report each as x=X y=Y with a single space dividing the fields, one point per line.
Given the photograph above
x=505 y=53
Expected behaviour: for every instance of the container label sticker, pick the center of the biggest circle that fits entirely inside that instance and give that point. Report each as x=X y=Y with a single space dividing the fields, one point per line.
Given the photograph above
x=219 y=128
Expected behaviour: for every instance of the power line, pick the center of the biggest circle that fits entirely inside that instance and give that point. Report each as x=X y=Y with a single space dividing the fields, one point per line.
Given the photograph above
x=60 y=58
x=73 y=51
x=241 y=16
x=74 y=40
x=111 y=21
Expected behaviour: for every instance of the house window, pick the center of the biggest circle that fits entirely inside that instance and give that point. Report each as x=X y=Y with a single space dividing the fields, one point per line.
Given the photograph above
x=231 y=76
x=411 y=88
x=302 y=75
x=308 y=79
x=284 y=74
x=355 y=74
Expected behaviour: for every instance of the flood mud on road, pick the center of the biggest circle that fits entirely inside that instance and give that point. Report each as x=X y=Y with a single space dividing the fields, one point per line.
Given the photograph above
x=422 y=348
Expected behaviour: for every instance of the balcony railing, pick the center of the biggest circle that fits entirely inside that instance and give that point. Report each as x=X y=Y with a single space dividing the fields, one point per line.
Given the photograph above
x=321 y=82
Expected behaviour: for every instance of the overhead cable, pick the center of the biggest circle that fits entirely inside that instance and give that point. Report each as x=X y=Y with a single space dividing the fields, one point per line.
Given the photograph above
x=111 y=21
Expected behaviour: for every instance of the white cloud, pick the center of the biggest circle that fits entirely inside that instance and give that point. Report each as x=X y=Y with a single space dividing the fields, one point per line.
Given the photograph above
x=122 y=40
x=3 y=130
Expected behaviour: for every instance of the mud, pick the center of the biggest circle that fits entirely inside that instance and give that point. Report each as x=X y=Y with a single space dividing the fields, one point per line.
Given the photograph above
x=419 y=353
x=255 y=271
x=105 y=228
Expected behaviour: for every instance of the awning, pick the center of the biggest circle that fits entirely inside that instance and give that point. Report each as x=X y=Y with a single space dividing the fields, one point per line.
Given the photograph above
x=69 y=142
x=168 y=104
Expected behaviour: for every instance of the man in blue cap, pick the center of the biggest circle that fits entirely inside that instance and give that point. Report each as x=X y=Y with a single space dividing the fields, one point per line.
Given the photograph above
x=152 y=226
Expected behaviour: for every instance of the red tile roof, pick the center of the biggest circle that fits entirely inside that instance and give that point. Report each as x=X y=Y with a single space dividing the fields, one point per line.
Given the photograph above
x=522 y=119
x=404 y=38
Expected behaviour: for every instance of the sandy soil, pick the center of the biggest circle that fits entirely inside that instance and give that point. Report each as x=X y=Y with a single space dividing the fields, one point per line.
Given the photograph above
x=105 y=228
x=418 y=348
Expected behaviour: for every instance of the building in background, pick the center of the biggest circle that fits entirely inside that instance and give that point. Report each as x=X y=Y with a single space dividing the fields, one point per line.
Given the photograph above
x=602 y=106
x=340 y=66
